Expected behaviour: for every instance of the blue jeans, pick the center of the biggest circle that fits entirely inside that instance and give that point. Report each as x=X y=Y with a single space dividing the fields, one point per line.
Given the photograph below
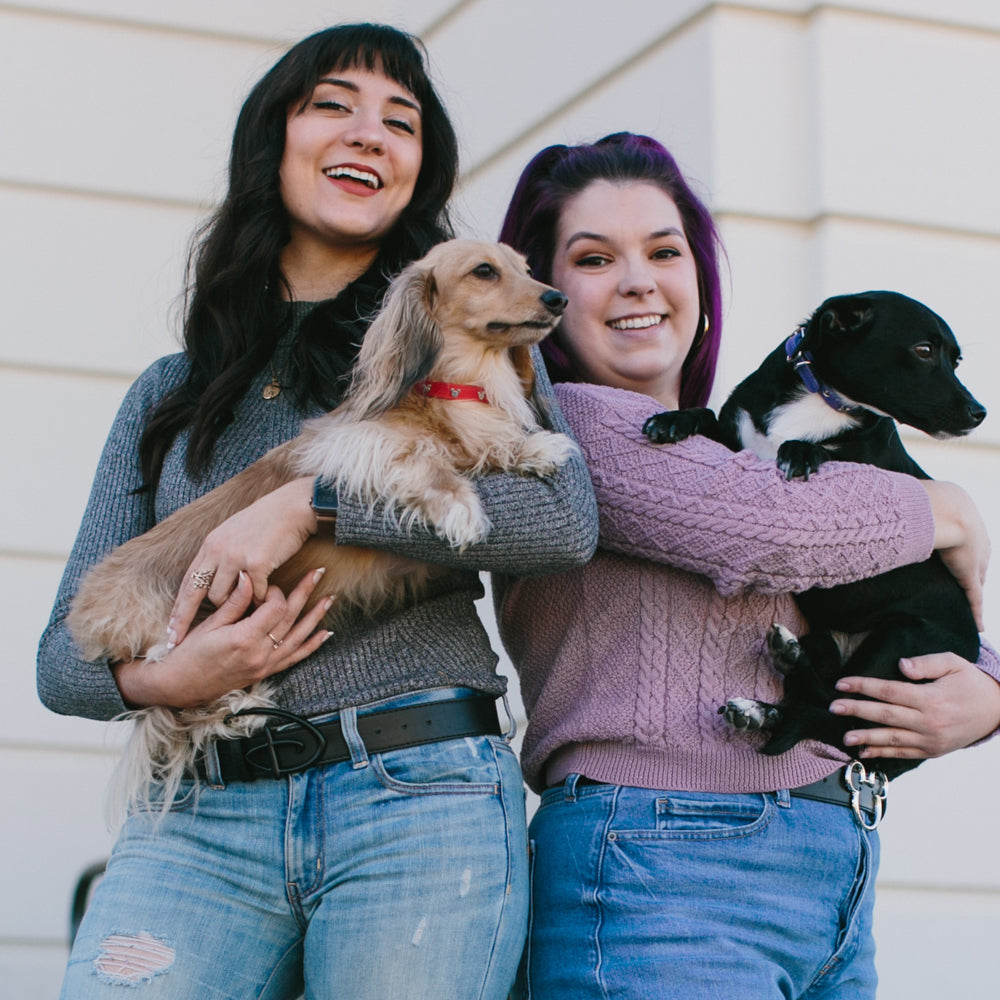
x=700 y=896
x=396 y=875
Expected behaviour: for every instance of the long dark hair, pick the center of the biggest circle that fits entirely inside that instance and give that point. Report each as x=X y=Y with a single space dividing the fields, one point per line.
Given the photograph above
x=233 y=316
x=558 y=173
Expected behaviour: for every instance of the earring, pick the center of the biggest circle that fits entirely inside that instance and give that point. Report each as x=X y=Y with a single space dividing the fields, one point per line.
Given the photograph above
x=703 y=326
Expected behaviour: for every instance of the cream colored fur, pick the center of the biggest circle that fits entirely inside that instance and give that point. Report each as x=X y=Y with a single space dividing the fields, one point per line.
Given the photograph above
x=466 y=313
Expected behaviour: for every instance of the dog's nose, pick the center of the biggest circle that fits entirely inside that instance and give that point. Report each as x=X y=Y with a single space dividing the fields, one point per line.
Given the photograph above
x=554 y=301
x=977 y=413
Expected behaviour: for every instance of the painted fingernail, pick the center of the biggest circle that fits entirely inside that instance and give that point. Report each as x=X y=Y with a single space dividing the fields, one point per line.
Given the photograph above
x=318 y=575
x=329 y=635
x=327 y=604
x=851 y=740
x=843 y=686
x=837 y=708
x=171 y=637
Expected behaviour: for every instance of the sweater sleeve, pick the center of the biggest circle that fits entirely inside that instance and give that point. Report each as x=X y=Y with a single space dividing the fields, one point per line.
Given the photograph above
x=733 y=517
x=537 y=526
x=115 y=512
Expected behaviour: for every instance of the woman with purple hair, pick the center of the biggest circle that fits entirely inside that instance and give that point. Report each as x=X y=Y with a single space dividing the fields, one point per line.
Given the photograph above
x=670 y=857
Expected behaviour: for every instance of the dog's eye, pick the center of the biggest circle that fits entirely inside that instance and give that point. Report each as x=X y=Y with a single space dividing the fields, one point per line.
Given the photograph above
x=487 y=271
x=923 y=351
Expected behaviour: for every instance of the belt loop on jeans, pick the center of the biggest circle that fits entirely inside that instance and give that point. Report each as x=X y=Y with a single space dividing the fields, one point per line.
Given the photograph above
x=355 y=744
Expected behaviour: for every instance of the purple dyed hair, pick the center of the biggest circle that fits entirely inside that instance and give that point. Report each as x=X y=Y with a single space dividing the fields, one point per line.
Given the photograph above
x=558 y=173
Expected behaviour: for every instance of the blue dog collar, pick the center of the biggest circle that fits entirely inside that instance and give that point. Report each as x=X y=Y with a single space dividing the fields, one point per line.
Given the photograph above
x=802 y=361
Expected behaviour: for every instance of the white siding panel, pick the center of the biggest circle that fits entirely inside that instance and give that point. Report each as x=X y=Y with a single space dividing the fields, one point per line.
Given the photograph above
x=55 y=805
x=61 y=424
x=104 y=108
x=31 y=969
x=907 y=131
x=287 y=20
x=90 y=283
x=505 y=66
x=764 y=154
x=771 y=267
x=667 y=94
x=30 y=587
x=936 y=945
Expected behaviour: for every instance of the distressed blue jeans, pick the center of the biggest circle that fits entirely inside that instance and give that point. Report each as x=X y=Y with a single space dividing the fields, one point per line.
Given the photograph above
x=698 y=896
x=400 y=875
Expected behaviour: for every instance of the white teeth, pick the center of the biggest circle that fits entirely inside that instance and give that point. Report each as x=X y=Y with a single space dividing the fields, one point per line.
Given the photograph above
x=359 y=175
x=635 y=322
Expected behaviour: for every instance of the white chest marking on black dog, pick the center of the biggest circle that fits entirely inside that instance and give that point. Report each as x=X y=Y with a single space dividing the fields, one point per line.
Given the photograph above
x=805 y=418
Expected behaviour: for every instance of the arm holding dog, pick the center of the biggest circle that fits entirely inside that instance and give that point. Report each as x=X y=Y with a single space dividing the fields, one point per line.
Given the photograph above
x=961 y=539
x=537 y=526
x=734 y=517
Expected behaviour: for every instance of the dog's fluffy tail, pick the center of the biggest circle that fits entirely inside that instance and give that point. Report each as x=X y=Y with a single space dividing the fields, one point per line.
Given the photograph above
x=160 y=754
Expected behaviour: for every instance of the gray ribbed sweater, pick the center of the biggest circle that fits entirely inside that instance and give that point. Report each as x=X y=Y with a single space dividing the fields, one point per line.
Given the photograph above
x=538 y=527
x=624 y=662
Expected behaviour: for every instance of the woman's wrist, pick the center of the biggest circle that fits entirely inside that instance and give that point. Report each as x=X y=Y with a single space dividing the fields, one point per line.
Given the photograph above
x=950 y=508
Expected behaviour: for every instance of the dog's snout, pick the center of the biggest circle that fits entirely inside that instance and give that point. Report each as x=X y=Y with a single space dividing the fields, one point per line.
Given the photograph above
x=554 y=301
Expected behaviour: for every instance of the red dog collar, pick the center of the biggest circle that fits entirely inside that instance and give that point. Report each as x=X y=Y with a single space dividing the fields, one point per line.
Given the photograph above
x=448 y=390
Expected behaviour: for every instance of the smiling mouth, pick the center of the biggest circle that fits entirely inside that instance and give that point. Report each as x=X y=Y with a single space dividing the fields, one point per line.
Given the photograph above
x=366 y=177
x=636 y=322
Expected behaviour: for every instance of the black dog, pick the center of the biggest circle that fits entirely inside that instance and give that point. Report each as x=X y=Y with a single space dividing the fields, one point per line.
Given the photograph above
x=831 y=391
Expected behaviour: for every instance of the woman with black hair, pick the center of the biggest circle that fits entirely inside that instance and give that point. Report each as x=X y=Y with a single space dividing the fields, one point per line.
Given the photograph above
x=374 y=871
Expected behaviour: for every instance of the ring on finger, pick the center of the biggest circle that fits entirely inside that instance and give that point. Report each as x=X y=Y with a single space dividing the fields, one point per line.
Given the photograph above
x=275 y=642
x=202 y=578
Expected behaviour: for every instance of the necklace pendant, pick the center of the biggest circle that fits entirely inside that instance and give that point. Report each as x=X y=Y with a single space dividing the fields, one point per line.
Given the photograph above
x=272 y=389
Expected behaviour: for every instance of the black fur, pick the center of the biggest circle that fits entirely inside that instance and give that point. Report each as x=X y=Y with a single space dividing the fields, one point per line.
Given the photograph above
x=888 y=358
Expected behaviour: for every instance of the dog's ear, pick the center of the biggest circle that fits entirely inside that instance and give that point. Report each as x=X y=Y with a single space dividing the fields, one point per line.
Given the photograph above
x=401 y=345
x=848 y=315
x=525 y=367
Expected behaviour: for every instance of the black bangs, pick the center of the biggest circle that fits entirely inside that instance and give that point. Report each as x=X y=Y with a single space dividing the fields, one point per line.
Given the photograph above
x=378 y=48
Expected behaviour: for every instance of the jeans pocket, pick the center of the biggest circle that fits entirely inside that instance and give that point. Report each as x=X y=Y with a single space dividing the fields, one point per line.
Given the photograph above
x=465 y=766
x=183 y=801
x=703 y=816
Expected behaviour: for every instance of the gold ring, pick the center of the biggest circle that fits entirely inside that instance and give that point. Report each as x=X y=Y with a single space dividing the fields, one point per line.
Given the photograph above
x=275 y=642
x=203 y=578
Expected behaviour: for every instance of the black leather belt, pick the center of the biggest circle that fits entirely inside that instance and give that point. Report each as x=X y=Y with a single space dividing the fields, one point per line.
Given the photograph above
x=296 y=744
x=851 y=787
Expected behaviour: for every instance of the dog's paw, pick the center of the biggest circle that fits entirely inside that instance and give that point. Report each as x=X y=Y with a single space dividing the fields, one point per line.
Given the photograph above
x=544 y=452
x=799 y=459
x=786 y=651
x=462 y=524
x=749 y=716
x=679 y=425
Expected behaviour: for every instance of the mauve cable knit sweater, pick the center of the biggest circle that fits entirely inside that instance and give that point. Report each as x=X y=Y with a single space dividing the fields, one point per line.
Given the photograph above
x=625 y=661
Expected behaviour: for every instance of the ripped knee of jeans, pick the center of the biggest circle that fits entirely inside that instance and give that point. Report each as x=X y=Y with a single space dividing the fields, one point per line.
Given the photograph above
x=132 y=959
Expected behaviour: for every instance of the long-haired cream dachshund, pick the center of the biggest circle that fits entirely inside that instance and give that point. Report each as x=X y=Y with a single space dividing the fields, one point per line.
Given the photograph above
x=464 y=316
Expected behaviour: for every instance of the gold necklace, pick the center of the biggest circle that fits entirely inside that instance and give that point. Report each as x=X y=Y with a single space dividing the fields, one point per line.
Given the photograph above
x=273 y=388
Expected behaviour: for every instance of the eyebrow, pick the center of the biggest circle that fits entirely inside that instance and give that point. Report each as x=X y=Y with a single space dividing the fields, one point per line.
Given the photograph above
x=354 y=88
x=584 y=235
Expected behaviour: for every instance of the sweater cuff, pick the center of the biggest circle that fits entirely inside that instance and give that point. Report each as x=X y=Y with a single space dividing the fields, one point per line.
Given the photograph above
x=914 y=506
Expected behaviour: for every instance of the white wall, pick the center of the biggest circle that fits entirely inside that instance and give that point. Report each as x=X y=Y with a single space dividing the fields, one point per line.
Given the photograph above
x=843 y=146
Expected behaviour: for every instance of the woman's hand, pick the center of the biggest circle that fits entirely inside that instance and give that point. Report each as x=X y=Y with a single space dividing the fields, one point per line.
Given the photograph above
x=229 y=649
x=254 y=541
x=961 y=539
x=958 y=705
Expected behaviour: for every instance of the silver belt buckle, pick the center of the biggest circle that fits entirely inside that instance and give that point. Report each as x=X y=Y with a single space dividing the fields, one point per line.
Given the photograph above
x=856 y=778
